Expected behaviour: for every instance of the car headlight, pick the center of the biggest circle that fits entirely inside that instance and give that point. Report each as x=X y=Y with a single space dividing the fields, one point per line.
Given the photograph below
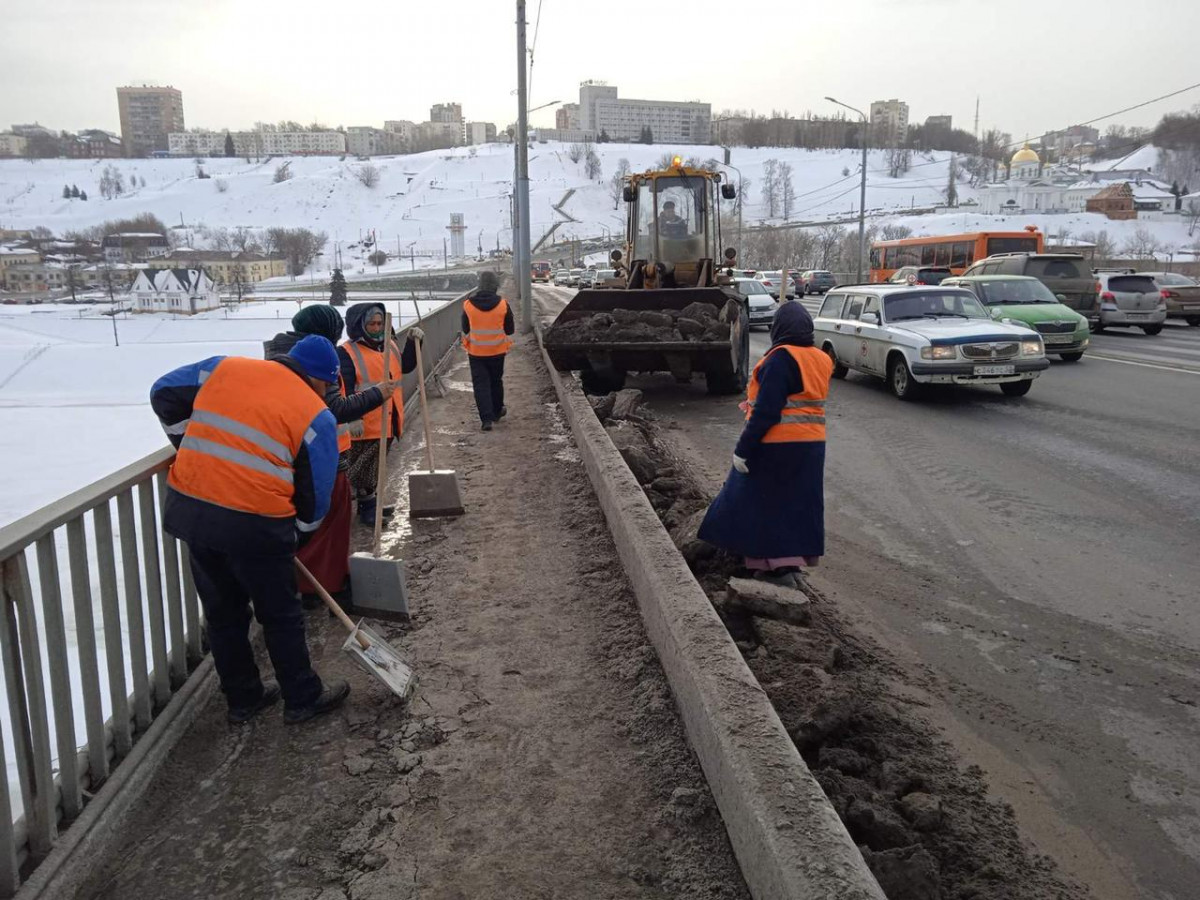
x=938 y=353
x=1031 y=347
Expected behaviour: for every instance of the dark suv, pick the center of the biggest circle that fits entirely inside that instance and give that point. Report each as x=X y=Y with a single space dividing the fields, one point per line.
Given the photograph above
x=920 y=275
x=1067 y=275
x=817 y=281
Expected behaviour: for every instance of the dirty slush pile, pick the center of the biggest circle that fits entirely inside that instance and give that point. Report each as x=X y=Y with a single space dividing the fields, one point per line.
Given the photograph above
x=924 y=823
x=697 y=322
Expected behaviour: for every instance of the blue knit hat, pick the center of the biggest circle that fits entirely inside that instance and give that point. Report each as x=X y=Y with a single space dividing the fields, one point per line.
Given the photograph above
x=317 y=358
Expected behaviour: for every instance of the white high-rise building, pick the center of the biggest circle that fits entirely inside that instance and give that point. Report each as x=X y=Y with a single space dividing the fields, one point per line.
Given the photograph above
x=669 y=121
x=889 y=122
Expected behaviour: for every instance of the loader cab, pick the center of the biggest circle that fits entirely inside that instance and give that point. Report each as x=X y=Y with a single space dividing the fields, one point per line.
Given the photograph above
x=672 y=216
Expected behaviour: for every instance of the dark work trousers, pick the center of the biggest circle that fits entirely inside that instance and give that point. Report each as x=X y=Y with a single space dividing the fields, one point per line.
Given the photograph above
x=227 y=584
x=487 y=378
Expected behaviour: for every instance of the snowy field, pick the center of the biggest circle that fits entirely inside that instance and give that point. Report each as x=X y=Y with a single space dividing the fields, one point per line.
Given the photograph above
x=75 y=407
x=410 y=207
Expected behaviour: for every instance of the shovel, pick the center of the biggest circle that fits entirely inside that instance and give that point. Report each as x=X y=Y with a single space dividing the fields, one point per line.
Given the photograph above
x=379 y=588
x=367 y=648
x=435 y=492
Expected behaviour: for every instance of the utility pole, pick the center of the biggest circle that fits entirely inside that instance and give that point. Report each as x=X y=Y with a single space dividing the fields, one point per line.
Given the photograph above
x=862 y=201
x=522 y=186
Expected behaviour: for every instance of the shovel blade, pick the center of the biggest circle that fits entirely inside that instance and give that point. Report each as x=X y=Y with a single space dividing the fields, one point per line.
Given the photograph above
x=382 y=661
x=433 y=494
x=379 y=588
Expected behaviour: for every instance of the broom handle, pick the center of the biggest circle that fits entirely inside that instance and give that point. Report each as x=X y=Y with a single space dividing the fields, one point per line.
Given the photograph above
x=385 y=425
x=421 y=382
x=334 y=607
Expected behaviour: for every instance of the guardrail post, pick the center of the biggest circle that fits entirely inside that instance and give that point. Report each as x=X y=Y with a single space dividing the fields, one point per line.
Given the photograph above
x=41 y=809
x=154 y=594
x=114 y=656
x=176 y=651
x=60 y=677
x=10 y=650
x=85 y=641
x=134 y=617
x=191 y=610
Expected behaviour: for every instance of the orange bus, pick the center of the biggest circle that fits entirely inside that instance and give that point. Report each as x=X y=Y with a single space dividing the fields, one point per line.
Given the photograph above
x=957 y=251
x=540 y=271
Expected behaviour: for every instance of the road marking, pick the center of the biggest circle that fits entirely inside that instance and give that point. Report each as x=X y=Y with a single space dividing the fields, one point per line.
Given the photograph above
x=1144 y=365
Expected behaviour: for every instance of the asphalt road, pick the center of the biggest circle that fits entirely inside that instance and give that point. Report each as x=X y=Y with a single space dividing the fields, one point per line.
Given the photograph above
x=1037 y=561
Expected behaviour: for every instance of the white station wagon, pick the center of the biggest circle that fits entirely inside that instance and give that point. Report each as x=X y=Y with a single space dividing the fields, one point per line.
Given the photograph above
x=912 y=336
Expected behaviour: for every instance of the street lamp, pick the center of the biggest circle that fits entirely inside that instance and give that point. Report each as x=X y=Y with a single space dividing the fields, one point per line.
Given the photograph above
x=862 y=200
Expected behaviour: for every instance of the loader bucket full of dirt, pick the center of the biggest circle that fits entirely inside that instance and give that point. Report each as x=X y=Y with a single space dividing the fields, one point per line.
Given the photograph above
x=606 y=334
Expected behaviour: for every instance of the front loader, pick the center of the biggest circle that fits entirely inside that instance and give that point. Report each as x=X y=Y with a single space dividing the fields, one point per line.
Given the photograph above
x=675 y=311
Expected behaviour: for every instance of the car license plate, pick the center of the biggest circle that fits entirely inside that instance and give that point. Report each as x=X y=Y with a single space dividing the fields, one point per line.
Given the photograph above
x=995 y=370
x=1136 y=315
x=1058 y=338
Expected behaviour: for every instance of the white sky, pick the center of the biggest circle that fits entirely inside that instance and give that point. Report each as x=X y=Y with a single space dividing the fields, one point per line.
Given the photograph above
x=1036 y=66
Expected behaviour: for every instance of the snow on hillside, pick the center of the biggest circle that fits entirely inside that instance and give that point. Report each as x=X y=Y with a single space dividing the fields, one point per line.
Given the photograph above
x=411 y=205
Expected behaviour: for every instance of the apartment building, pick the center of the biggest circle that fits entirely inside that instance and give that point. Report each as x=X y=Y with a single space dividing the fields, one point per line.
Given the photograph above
x=258 y=143
x=478 y=133
x=148 y=115
x=446 y=113
x=12 y=144
x=366 y=140
x=889 y=122
x=224 y=266
x=35 y=278
x=670 y=121
x=134 y=246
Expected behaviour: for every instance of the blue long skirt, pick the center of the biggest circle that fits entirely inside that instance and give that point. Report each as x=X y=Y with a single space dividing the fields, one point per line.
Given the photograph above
x=776 y=510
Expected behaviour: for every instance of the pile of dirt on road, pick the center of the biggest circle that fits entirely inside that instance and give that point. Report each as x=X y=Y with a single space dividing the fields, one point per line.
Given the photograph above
x=922 y=818
x=698 y=322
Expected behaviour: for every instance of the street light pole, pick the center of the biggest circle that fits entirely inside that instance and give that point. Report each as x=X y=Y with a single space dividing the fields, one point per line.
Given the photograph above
x=522 y=187
x=862 y=196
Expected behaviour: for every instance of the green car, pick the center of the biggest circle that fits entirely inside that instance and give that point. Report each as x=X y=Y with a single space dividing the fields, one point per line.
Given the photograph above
x=1022 y=300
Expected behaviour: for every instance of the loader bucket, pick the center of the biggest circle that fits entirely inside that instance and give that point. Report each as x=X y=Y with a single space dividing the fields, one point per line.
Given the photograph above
x=604 y=334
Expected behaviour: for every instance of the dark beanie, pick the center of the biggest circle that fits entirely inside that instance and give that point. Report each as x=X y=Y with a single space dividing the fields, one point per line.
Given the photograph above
x=319 y=319
x=489 y=281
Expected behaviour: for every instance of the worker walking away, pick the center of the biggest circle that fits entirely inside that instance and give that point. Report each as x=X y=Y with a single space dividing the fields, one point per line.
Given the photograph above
x=326 y=555
x=361 y=356
x=256 y=461
x=487 y=327
x=771 y=509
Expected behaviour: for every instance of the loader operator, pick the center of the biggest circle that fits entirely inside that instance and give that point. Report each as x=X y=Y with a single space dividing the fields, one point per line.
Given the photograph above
x=257 y=456
x=670 y=223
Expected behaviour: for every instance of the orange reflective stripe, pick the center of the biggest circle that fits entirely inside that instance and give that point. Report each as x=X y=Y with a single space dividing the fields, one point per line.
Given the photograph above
x=803 y=415
x=486 y=337
x=368 y=370
x=249 y=420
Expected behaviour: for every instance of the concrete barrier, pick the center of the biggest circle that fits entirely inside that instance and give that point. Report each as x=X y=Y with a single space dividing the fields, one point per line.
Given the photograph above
x=787 y=837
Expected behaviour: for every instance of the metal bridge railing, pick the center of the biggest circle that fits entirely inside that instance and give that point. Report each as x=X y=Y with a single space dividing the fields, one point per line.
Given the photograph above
x=79 y=690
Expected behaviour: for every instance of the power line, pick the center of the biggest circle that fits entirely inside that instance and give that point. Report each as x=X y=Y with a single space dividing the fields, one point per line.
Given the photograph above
x=537 y=24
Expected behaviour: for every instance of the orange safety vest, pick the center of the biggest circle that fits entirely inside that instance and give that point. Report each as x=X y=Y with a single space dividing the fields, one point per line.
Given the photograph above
x=803 y=416
x=487 y=337
x=368 y=371
x=248 y=423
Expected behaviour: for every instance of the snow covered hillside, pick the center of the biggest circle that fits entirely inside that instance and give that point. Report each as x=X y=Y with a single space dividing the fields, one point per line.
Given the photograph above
x=412 y=203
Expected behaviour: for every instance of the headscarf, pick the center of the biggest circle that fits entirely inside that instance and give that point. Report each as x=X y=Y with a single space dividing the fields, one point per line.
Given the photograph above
x=356 y=317
x=792 y=325
x=320 y=319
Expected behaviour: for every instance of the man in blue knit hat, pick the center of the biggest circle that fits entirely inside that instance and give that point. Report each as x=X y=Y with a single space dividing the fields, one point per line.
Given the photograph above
x=257 y=453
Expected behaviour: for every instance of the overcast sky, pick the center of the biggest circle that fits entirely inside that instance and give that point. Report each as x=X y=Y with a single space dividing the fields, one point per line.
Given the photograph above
x=1035 y=66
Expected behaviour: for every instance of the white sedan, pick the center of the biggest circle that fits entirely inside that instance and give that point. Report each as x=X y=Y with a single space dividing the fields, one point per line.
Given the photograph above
x=912 y=336
x=761 y=304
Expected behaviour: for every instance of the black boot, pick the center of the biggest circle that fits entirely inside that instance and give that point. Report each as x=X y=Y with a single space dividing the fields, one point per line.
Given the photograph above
x=240 y=715
x=332 y=696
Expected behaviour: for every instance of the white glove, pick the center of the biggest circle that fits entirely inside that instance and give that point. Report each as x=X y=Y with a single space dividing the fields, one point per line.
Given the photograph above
x=357 y=428
x=417 y=333
x=740 y=465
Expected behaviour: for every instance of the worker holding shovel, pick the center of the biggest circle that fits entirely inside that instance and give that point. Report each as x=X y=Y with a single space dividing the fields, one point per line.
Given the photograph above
x=362 y=359
x=487 y=327
x=256 y=461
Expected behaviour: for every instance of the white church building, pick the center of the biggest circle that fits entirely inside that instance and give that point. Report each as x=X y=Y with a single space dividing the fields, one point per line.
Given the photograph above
x=184 y=291
x=1032 y=187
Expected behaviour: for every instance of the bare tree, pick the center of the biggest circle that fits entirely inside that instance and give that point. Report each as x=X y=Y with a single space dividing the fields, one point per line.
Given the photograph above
x=952 y=184
x=112 y=183
x=787 y=190
x=283 y=172
x=592 y=166
x=895 y=232
x=1143 y=245
x=575 y=152
x=1104 y=248
x=1191 y=212
x=828 y=239
x=299 y=245
x=899 y=161
x=221 y=185
x=616 y=184
x=770 y=186
x=368 y=175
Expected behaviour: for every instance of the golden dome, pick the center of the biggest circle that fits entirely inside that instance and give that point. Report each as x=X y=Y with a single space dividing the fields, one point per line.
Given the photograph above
x=1025 y=155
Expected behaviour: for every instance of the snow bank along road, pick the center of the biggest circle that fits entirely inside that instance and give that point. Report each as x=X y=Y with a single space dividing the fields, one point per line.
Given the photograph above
x=1034 y=563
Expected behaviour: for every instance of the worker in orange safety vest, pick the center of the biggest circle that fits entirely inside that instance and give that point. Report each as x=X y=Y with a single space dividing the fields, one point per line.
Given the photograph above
x=487 y=327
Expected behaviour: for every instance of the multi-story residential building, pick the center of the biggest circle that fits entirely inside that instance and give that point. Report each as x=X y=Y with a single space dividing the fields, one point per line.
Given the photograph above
x=148 y=115
x=402 y=128
x=446 y=113
x=186 y=291
x=566 y=117
x=225 y=266
x=94 y=143
x=946 y=122
x=478 y=133
x=889 y=122
x=134 y=246
x=366 y=140
x=12 y=144
x=435 y=136
x=13 y=258
x=32 y=131
x=35 y=278
x=601 y=110
x=258 y=143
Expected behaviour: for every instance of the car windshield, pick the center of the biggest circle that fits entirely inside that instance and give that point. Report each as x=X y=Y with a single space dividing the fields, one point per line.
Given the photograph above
x=932 y=276
x=605 y=274
x=1008 y=293
x=749 y=288
x=935 y=305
